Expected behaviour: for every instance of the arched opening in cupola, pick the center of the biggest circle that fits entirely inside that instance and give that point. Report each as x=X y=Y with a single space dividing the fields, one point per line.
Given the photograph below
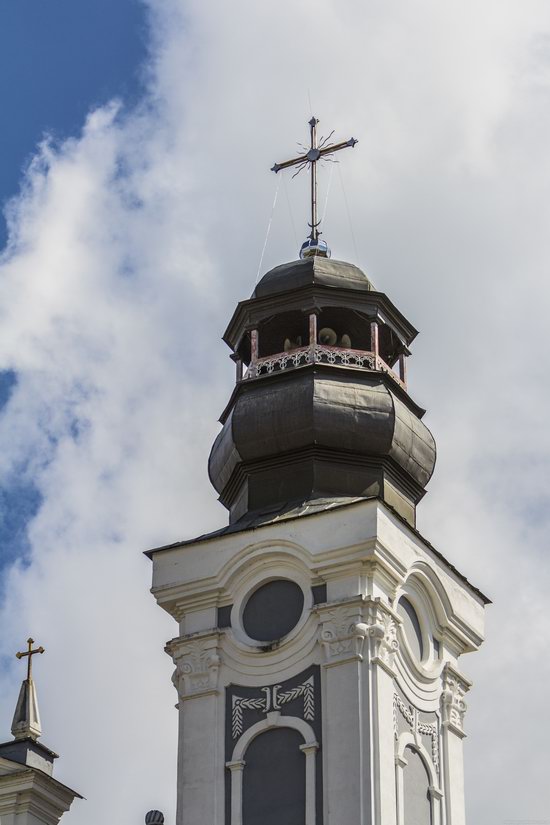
x=335 y=335
x=282 y=333
x=344 y=328
x=389 y=345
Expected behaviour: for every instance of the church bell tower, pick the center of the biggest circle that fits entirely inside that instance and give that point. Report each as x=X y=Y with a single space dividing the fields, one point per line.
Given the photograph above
x=319 y=633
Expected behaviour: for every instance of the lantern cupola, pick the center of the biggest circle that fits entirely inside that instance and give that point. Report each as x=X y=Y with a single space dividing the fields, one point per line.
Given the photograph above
x=321 y=407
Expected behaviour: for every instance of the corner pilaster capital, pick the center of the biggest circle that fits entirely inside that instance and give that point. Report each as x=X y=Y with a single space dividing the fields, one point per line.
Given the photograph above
x=382 y=631
x=342 y=631
x=197 y=661
x=453 y=707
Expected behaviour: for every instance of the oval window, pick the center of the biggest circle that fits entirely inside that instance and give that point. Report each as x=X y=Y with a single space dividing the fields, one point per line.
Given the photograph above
x=411 y=627
x=273 y=610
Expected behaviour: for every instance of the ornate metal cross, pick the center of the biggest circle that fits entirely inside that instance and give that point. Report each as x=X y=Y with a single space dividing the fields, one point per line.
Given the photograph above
x=30 y=653
x=316 y=152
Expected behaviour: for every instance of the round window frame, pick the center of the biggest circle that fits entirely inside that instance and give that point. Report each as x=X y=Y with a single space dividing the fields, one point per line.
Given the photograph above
x=424 y=621
x=237 y=611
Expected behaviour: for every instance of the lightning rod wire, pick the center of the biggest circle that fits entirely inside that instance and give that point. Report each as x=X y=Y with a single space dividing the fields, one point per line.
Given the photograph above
x=348 y=214
x=290 y=210
x=268 y=231
x=328 y=191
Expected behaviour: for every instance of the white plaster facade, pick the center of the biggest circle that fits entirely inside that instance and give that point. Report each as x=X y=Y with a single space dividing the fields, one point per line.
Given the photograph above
x=378 y=699
x=29 y=796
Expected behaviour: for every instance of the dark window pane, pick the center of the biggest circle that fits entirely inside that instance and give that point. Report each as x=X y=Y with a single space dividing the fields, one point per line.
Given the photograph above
x=411 y=626
x=273 y=610
x=274 y=779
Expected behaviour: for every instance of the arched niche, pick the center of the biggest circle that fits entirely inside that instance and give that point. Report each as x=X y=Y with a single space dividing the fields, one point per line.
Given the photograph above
x=274 y=779
x=417 y=806
x=419 y=797
x=258 y=773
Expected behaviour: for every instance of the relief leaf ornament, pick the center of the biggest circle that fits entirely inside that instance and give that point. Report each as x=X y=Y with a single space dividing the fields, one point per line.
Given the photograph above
x=383 y=632
x=342 y=633
x=453 y=705
x=197 y=666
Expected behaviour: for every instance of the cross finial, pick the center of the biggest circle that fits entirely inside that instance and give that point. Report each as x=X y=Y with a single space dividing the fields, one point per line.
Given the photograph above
x=316 y=152
x=29 y=653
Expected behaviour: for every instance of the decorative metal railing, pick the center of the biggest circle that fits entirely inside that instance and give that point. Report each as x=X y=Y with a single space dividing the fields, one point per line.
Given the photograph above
x=319 y=354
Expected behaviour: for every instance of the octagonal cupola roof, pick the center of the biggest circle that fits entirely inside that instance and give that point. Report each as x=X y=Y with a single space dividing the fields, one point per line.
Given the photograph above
x=315 y=270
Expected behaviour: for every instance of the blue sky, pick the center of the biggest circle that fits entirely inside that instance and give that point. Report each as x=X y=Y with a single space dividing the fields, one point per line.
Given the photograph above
x=52 y=71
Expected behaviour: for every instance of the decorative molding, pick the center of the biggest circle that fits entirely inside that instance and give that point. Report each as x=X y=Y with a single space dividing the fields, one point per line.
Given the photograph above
x=406 y=711
x=418 y=728
x=431 y=731
x=271 y=701
x=383 y=634
x=344 y=628
x=317 y=354
x=197 y=666
x=342 y=633
x=453 y=706
x=237 y=764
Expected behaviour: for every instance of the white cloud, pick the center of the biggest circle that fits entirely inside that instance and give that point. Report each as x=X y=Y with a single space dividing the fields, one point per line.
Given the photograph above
x=131 y=244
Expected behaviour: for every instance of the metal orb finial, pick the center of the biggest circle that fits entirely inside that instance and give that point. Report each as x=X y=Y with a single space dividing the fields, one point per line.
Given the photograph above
x=154 y=818
x=314 y=246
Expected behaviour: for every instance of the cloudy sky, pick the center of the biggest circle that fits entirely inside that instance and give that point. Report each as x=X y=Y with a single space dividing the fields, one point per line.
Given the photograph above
x=136 y=146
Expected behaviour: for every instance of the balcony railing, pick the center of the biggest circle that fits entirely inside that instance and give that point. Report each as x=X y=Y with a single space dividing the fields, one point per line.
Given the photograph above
x=319 y=354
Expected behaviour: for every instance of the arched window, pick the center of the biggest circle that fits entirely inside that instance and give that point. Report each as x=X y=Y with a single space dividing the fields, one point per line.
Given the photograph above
x=411 y=627
x=274 y=780
x=417 y=806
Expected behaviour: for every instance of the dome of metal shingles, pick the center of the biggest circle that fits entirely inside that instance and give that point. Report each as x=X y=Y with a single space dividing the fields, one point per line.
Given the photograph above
x=316 y=270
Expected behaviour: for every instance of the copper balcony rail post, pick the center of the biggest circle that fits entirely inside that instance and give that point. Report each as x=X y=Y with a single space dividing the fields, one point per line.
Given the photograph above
x=235 y=357
x=403 y=368
x=312 y=336
x=253 y=351
x=374 y=341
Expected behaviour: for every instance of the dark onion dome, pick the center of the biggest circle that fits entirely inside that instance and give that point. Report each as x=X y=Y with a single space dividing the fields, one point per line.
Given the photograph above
x=321 y=431
x=315 y=270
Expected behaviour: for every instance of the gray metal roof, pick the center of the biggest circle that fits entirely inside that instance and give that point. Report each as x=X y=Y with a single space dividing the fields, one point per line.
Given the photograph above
x=254 y=521
x=315 y=270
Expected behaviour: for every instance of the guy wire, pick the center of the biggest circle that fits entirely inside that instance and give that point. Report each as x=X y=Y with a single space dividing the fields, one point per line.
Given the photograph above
x=289 y=209
x=349 y=215
x=268 y=231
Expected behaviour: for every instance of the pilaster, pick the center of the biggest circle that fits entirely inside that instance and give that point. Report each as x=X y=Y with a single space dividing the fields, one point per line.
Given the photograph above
x=453 y=710
x=342 y=635
x=383 y=648
x=195 y=678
